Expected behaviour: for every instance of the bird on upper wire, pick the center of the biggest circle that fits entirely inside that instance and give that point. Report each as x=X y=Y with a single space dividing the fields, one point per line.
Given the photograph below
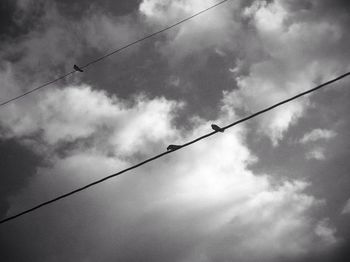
x=77 y=68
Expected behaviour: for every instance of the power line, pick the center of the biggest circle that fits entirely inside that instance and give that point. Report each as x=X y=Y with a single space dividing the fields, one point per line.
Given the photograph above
x=36 y=88
x=175 y=149
x=114 y=52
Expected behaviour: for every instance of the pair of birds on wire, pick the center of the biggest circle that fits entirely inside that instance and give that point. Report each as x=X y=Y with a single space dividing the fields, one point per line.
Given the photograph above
x=213 y=126
x=170 y=147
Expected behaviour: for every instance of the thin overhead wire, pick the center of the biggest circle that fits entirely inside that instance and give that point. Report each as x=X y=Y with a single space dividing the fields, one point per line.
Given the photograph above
x=175 y=149
x=114 y=52
x=36 y=88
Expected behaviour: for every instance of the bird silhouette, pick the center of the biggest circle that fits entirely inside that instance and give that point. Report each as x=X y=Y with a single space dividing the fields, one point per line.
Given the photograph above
x=77 y=68
x=217 y=128
x=173 y=147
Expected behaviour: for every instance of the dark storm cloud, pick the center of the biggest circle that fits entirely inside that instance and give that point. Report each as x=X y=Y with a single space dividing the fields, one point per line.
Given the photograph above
x=320 y=10
x=17 y=164
x=195 y=82
x=54 y=40
x=7 y=9
x=76 y=9
x=15 y=22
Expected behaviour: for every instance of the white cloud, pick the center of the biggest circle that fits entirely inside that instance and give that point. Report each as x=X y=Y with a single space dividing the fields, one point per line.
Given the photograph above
x=77 y=112
x=275 y=216
x=205 y=197
x=268 y=18
x=260 y=90
x=318 y=134
x=212 y=30
x=204 y=190
x=346 y=209
x=281 y=55
x=289 y=65
x=317 y=153
x=326 y=232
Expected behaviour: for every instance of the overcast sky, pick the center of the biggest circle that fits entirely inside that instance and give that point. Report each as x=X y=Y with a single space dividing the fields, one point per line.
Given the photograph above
x=276 y=188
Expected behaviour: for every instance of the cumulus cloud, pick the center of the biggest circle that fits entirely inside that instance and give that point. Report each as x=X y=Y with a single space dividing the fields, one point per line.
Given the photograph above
x=318 y=134
x=326 y=232
x=286 y=50
x=293 y=62
x=215 y=30
x=78 y=112
x=317 y=153
x=208 y=186
x=288 y=67
x=203 y=203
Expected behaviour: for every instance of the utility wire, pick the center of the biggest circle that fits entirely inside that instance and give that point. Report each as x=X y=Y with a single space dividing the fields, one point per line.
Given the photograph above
x=171 y=151
x=114 y=52
x=36 y=88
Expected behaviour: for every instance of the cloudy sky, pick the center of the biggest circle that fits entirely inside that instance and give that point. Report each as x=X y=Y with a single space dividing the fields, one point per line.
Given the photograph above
x=275 y=188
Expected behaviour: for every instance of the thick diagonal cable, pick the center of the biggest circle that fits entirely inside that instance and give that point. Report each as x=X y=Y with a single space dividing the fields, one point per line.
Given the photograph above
x=168 y=152
x=114 y=52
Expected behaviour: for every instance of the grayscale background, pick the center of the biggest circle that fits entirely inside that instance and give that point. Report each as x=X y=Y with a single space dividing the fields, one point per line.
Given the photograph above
x=276 y=188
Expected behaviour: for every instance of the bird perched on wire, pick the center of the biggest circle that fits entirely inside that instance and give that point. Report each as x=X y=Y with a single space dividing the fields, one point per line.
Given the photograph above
x=77 y=68
x=173 y=147
x=217 y=128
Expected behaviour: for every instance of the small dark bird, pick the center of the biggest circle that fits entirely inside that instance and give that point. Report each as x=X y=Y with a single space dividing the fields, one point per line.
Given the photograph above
x=217 y=128
x=77 y=68
x=173 y=147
